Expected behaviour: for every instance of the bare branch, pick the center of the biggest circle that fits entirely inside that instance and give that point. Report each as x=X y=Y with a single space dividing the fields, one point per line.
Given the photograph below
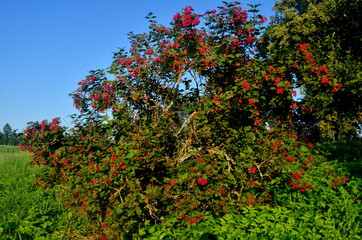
x=169 y=106
x=185 y=123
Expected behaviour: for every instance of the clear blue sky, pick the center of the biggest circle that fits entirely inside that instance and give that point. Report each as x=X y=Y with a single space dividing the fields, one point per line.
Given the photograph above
x=48 y=46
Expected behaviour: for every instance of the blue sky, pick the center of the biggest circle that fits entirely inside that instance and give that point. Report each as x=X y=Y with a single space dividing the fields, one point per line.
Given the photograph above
x=48 y=46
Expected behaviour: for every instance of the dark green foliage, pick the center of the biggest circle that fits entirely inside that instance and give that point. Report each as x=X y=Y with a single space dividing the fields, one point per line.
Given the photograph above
x=347 y=153
x=331 y=211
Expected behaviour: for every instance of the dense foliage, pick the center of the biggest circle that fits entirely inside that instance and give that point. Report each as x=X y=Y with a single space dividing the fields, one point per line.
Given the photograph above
x=30 y=212
x=332 y=31
x=194 y=122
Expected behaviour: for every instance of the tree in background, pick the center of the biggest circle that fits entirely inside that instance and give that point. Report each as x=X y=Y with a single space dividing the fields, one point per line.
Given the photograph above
x=331 y=32
x=9 y=136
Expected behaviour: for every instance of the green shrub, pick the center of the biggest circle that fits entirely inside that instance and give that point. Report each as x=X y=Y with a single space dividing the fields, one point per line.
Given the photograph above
x=193 y=122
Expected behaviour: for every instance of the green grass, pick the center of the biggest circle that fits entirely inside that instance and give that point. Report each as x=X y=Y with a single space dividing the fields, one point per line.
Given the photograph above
x=6 y=151
x=26 y=211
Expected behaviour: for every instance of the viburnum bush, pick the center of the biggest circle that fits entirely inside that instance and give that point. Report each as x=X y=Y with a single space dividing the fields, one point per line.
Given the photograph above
x=192 y=122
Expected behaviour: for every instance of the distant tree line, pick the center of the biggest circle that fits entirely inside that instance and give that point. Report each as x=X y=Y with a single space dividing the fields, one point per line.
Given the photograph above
x=9 y=136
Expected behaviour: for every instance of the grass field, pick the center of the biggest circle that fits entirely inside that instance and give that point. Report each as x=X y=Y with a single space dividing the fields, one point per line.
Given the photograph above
x=26 y=211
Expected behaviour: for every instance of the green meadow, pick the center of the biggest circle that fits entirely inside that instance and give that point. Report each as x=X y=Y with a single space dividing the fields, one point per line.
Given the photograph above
x=26 y=211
